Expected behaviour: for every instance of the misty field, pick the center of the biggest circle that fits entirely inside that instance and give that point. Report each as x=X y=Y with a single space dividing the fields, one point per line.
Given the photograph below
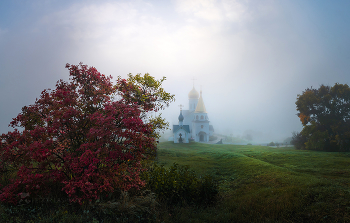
x=263 y=184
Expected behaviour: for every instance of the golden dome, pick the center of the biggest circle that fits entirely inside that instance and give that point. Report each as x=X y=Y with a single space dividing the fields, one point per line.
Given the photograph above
x=193 y=93
x=200 y=106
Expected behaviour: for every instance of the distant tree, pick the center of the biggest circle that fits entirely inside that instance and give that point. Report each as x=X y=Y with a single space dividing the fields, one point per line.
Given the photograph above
x=325 y=115
x=298 y=140
x=287 y=141
x=271 y=144
x=248 y=137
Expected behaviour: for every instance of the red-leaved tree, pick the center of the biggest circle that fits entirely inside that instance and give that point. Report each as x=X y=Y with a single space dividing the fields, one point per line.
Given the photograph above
x=87 y=135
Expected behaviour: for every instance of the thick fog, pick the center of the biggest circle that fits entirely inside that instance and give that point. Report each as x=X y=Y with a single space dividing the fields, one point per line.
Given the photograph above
x=250 y=58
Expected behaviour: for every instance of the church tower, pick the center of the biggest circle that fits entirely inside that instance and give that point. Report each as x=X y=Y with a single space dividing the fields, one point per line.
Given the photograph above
x=181 y=131
x=181 y=118
x=192 y=99
x=200 y=123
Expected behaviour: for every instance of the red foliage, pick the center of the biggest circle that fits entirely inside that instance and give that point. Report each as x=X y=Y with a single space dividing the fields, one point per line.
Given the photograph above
x=77 y=136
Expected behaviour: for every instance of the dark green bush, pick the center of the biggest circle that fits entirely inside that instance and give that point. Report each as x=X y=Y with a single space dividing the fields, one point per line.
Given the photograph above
x=271 y=144
x=141 y=208
x=298 y=140
x=179 y=184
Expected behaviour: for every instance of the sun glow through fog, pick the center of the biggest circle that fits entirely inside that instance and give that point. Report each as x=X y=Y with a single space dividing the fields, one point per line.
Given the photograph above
x=251 y=58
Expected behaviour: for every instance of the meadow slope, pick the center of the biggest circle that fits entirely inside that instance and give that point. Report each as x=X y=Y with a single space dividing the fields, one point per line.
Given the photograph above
x=264 y=184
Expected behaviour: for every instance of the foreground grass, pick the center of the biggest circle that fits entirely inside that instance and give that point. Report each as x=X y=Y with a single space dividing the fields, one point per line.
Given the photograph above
x=256 y=184
x=263 y=184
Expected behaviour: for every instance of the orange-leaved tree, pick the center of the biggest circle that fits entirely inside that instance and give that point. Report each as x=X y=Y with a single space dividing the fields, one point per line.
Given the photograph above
x=325 y=115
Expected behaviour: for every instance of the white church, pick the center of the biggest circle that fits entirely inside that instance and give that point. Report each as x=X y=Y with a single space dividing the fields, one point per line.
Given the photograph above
x=193 y=123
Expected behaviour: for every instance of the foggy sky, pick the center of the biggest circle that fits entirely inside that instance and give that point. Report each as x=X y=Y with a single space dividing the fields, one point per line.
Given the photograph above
x=251 y=58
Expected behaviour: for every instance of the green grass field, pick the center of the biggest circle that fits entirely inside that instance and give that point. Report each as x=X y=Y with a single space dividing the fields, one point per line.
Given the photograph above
x=256 y=184
x=264 y=184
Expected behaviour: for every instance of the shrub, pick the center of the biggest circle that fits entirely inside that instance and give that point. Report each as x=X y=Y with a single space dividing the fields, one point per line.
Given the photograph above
x=271 y=144
x=179 y=184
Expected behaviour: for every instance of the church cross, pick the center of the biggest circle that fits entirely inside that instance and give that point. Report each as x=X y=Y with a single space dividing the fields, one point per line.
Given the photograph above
x=193 y=79
x=181 y=106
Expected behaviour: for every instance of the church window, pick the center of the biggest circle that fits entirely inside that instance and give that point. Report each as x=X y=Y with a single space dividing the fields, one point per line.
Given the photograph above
x=196 y=116
x=202 y=117
x=201 y=126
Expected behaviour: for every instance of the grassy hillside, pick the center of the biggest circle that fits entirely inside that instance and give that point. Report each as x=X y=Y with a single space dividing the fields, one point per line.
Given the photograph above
x=263 y=184
x=256 y=184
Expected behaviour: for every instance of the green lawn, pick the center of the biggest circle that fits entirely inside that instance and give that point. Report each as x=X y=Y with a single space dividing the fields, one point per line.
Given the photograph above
x=264 y=184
